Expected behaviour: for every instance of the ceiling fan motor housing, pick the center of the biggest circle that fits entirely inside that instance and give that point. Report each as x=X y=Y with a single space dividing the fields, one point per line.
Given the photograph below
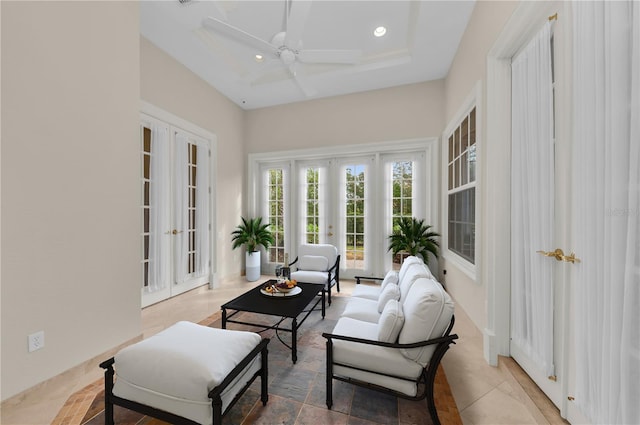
x=287 y=56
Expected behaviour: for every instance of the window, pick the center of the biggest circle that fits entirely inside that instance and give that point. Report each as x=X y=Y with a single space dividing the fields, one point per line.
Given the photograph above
x=275 y=207
x=462 y=188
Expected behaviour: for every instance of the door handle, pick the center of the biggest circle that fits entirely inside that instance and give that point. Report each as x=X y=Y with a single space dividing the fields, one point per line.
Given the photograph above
x=329 y=234
x=558 y=254
x=173 y=232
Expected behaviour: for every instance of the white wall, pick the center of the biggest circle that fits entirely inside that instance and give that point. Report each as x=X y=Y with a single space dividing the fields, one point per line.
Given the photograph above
x=405 y=112
x=169 y=85
x=70 y=184
x=469 y=67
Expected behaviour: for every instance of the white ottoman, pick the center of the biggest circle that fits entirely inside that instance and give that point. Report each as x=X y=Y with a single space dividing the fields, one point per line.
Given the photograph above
x=186 y=374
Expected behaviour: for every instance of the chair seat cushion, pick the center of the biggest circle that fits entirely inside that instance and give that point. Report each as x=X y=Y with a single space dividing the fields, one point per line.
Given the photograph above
x=307 y=276
x=362 y=309
x=175 y=369
x=373 y=358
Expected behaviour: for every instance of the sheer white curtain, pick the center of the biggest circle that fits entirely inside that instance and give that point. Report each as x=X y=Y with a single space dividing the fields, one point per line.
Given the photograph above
x=159 y=243
x=532 y=201
x=606 y=154
x=202 y=211
x=181 y=199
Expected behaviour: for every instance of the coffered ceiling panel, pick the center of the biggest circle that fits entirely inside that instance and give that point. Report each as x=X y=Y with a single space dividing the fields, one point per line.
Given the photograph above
x=265 y=53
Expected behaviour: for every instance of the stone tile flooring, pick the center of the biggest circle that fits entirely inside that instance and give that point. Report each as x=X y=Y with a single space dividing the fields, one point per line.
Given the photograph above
x=483 y=394
x=297 y=392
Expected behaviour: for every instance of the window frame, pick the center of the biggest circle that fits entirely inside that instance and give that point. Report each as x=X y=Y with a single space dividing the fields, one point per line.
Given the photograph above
x=429 y=194
x=472 y=101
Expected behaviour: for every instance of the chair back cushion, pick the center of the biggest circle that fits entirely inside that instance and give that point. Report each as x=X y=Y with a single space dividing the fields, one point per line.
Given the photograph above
x=316 y=263
x=414 y=271
x=328 y=251
x=390 y=277
x=390 y=322
x=410 y=260
x=427 y=313
x=390 y=292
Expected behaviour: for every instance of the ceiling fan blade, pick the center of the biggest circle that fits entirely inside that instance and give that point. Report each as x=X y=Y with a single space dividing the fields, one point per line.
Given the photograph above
x=225 y=29
x=330 y=56
x=308 y=91
x=296 y=21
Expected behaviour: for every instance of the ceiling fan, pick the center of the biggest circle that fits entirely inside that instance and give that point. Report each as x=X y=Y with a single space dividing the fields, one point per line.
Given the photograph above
x=286 y=46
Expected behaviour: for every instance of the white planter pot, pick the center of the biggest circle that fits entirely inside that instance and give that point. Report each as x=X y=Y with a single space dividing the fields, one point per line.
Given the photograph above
x=252 y=261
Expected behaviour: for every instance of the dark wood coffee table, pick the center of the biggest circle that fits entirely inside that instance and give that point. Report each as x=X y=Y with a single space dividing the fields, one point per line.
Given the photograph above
x=253 y=301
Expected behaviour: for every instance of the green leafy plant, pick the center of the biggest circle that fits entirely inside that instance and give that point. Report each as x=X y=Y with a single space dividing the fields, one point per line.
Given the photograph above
x=414 y=237
x=252 y=233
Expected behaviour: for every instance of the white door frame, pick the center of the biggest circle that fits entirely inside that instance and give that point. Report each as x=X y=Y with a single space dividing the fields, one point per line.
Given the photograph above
x=525 y=21
x=175 y=123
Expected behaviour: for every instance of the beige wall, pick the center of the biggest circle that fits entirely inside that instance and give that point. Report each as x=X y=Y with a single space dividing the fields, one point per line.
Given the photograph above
x=404 y=112
x=469 y=67
x=70 y=173
x=172 y=87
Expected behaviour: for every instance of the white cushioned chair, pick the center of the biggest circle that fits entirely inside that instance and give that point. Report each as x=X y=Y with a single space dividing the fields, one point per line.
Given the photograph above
x=319 y=264
x=394 y=344
x=186 y=374
x=373 y=292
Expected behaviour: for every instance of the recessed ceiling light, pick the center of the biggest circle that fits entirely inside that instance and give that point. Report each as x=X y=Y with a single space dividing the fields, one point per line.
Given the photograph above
x=380 y=31
x=259 y=58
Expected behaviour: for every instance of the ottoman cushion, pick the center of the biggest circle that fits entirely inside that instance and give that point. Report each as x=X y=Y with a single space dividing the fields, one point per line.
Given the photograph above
x=175 y=369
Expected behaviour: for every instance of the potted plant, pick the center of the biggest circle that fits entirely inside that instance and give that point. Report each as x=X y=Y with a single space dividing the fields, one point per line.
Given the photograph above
x=413 y=237
x=252 y=234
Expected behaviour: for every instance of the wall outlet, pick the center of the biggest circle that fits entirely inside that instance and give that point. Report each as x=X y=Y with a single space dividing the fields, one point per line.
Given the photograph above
x=36 y=341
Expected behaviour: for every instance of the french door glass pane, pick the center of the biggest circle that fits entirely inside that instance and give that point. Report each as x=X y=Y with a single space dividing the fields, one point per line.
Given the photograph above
x=402 y=182
x=312 y=183
x=146 y=182
x=275 y=202
x=355 y=216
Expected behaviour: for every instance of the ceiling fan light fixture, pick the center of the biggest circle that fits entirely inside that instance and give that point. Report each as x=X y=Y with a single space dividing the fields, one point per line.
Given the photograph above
x=380 y=31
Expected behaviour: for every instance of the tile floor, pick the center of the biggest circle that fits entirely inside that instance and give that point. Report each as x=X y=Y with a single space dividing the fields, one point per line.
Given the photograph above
x=483 y=394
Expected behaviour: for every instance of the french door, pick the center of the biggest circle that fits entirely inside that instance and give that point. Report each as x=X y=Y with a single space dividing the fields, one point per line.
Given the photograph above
x=176 y=211
x=351 y=202
x=537 y=211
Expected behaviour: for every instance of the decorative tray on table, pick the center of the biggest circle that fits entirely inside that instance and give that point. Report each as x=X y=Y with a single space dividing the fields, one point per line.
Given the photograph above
x=286 y=289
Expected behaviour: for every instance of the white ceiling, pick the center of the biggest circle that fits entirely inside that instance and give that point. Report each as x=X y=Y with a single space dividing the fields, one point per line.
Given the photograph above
x=420 y=44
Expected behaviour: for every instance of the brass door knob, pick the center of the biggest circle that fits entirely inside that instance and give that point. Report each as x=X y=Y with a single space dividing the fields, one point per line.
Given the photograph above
x=558 y=254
